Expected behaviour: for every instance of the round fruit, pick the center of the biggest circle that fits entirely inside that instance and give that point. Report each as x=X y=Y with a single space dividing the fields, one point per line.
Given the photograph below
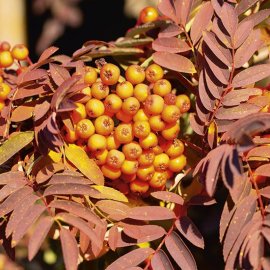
x=140 y=116
x=104 y=125
x=154 y=104
x=141 y=92
x=148 y=14
x=85 y=128
x=139 y=187
x=170 y=99
x=6 y=59
x=130 y=105
x=101 y=156
x=183 y=103
x=177 y=164
x=70 y=136
x=99 y=90
x=97 y=142
x=146 y=158
x=109 y=74
x=171 y=131
x=5 y=46
x=145 y=173
x=115 y=159
x=129 y=166
x=124 y=89
x=127 y=178
x=94 y=108
x=20 y=52
x=157 y=150
x=170 y=113
x=156 y=123
x=112 y=143
x=4 y=91
x=149 y=141
x=159 y=179
x=123 y=133
x=2 y=104
x=78 y=113
x=132 y=150
x=83 y=95
x=162 y=87
x=161 y=162
x=174 y=148
x=90 y=75
x=154 y=73
x=135 y=74
x=110 y=172
x=141 y=129
x=113 y=103
x=124 y=117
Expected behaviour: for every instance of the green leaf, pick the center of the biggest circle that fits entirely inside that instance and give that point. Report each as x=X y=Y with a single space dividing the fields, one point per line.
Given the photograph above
x=87 y=166
x=111 y=193
x=14 y=144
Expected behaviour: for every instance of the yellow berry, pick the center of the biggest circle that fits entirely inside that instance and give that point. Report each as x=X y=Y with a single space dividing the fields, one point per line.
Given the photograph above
x=135 y=74
x=109 y=74
x=175 y=148
x=149 y=141
x=123 y=117
x=141 y=129
x=123 y=133
x=132 y=150
x=141 y=92
x=115 y=159
x=139 y=187
x=110 y=172
x=140 y=116
x=145 y=173
x=4 y=91
x=78 y=113
x=124 y=89
x=130 y=105
x=177 y=164
x=162 y=87
x=104 y=125
x=101 y=156
x=94 y=108
x=156 y=123
x=129 y=166
x=161 y=162
x=112 y=143
x=6 y=59
x=97 y=142
x=171 y=131
x=154 y=73
x=113 y=103
x=90 y=75
x=159 y=179
x=85 y=128
x=170 y=113
x=99 y=90
x=146 y=158
x=154 y=104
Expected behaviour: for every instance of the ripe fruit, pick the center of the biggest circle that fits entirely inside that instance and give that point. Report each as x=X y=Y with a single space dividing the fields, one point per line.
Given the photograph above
x=104 y=125
x=129 y=166
x=130 y=105
x=110 y=172
x=90 y=75
x=154 y=73
x=85 y=128
x=115 y=159
x=149 y=141
x=101 y=156
x=156 y=123
x=170 y=99
x=4 y=91
x=162 y=87
x=132 y=150
x=161 y=162
x=123 y=133
x=183 y=103
x=124 y=117
x=148 y=14
x=171 y=131
x=177 y=164
x=70 y=136
x=94 y=108
x=109 y=74
x=124 y=89
x=135 y=74
x=140 y=116
x=6 y=59
x=97 y=142
x=112 y=143
x=141 y=129
x=170 y=113
x=154 y=104
x=139 y=187
x=127 y=178
x=174 y=148
x=5 y=46
x=141 y=92
x=157 y=150
x=145 y=173
x=159 y=179
x=20 y=52
x=146 y=158
x=113 y=103
x=78 y=113
x=99 y=90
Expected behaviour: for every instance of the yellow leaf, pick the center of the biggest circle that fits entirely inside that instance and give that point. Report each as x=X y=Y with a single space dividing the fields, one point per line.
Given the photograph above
x=111 y=193
x=82 y=162
x=54 y=156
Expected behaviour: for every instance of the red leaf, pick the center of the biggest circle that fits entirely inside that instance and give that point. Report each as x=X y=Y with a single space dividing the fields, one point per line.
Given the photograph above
x=189 y=230
x=204 y=96
x=151 y=213
x=160 y=261
x=39 y=235
x=242 y=32
x=179 y=251
x=69 y=249
x=201 y=21
x=171 y=30
x=245 y=5
x=69 y=178
x=258 y=17
x=166 y=7
x=251 y=75
x=260 y=151
x=229 y=18
x=47 y=53
x=263 y=170
x=170 y=44
x=11 y=177
x=221 y=32
x=195 y=125
x=182 y=9
x=41 y=109
x=31 y=75
x=174 y=62
x=133 y=258
x=168 y=197
x=59 y=74
x=23 y=112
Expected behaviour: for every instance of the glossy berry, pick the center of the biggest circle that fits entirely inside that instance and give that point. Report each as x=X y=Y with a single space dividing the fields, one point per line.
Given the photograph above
x=129 y=166
x=123 y=133
x=170 y=113
x=140 y=116
x=90 y=75
x=156 y=123
x=94 y=108
x=177 y=164
x=171 y=131
x=97 y=142
x=78 y=113
x=159 y=179
x=20 y=52
x=162 y=87
x=4 y=91
x=113 y=103
x=124 y=117
x=2 y=104
x=69 y=135
x=112 y=143
x=154 y=73
x=145 y=173
x=124 y=89
x=115 y=159
x=130 y=105
x=85 y=128
x=157 y=150
x=5 y=46
x=149 y=141
x=135 y=74
x=148 y=14
x=109 y=74
x=161 y=162
x=101 y=156
x=127 y=178
x=146 y=158
x=132 y=150
x=139 y=187
x=104 y=125
x=174 y=148
x=141 y=92
x=6 y=59
x=99 y=90
x=110 y=172
x=141 y=129
x=183 y=103
x=154 y=104
x=170 y=99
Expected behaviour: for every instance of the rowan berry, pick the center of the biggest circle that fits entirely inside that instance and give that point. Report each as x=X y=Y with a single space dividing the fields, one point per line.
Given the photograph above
x=113 y=103
x=162 y=87
x=145 y=173
x=140 y=116
x=99 y=90
x=148 y=14
x=170 y=113
x=174 y=148
x=146 y=158
x=110 y=172
x=139 y=187
x=129 y=166
x=171 y=131
x=20 y=52
x=154 y=73
x=124 y=117
x=5 y=46
x=69 y=135
x=161 y=162
x=109 y=74
x=130 y=105
x=141 y=129
x=159 y=179
x=157 y=150
x=154 y=104
x=4 y=91
x=85 y=128
x=183 y=103
x=115 y=159
x=123 y=133
x=127 y=178
x=132 y=150
x=141 y=92
x=177 y=164
x=135 y=74
x=124 y=89
x=94 y=108
x=156 y=123
x=97 y=142
x=170 y=99
x=149 y=141
x=112 y=143
x=90 y=75
x=104 y=125
x=101 y=156
x=78 y=113
x=6 y=59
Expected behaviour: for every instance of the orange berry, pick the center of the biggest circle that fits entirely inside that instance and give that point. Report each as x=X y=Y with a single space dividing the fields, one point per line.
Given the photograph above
x=146 y=158
x=149 y=141
x=69 y=135
x=141 y=129
x=129 y=166
x=162 y=87
x=140 y=116
x=97 y=142
x=127 y=178
x=141 y=92
x=132 y=150
x=113 y=103
x=135 y=74
x=115 y=159
x=109 y=74
x=2 y=104
x=259 y=179
x=171 y=131
x=139 y=187
x=110 y=172
x=161 y=162
x=159 y=179
x=101 y=156
x=99 y=90
x=123 y=117
x=85 y=128
x=1 y=79
x=104 y=125
x=177 y=164
x=154 y=104
x=112 y=143
x=170 y=113
x=157 y=150
x=148 y=14
x=170 y=99
x=94 y=108
x=183 y=103
x=4 y=91
x=6 y=59
x=5 y=46
x=154 y=73
x=130 y=105
x=145 y=173
x=156 y=123
x=90 y=75
x=175 y=148
x=20 y=52
x=124 y=89
x=123 y=133
x=78 y=113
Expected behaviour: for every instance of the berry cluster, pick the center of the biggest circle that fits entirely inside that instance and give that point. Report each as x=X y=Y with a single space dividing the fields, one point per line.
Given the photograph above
x=130 y=126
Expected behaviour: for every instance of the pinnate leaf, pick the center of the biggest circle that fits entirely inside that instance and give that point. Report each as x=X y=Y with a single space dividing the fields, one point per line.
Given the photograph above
x=59 y=74
x=111 y=193
x=47 y=53
x=229 y=18
x=263 y=170
x=242 y=32
x=170 y=44
x=87 y=166
x=182 y=10
x=245 y=5
x=160 y=261
x=166 y=7
x=168 y=197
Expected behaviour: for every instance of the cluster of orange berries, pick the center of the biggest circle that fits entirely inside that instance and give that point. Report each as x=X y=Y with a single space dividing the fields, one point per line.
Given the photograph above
x=4 y=92
x=130 y=126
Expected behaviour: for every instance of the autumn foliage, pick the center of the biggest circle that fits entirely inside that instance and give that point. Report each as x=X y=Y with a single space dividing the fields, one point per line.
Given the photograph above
x=105 y=151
